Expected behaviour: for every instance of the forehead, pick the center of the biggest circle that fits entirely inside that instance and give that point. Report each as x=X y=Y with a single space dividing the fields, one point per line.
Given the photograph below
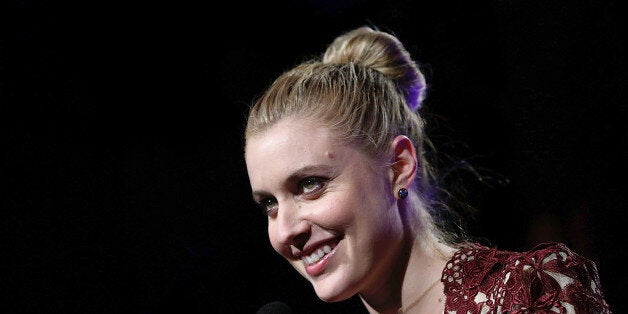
x=291 y=144
x=289 y=136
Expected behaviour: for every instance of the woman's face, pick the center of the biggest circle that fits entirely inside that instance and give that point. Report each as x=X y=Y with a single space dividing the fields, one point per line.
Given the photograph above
x=331 y=210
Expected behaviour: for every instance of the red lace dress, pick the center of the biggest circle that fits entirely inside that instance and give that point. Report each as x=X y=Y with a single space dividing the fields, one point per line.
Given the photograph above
x=550 y=278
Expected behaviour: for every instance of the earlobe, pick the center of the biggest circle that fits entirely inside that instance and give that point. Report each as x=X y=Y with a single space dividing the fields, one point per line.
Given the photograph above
x=404 y=163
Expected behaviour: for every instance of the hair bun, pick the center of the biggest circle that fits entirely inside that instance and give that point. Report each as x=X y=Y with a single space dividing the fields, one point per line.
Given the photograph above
x=383 y=52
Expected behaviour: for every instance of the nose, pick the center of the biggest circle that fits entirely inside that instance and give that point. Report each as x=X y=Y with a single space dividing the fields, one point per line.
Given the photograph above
x=290 y=226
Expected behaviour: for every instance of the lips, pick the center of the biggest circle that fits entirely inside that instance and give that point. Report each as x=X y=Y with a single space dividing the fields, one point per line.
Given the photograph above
x=317 y=261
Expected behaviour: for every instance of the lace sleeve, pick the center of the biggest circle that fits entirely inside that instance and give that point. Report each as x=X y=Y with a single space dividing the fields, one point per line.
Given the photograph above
x=550 y=278
x=560 y=281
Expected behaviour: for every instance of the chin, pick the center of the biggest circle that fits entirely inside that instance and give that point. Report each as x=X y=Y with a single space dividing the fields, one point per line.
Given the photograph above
x=330 y=292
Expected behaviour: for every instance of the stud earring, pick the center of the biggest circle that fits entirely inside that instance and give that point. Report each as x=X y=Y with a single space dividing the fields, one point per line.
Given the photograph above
x=402 y=193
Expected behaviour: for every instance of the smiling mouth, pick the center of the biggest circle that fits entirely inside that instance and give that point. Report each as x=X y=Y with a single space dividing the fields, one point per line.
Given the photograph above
x=317 y=255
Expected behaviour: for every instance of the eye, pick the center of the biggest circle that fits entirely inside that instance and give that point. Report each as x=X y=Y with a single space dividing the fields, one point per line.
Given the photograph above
x=268 y=205
x=311 y=185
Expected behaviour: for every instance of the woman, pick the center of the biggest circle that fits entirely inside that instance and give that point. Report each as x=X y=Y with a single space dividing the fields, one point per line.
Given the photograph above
x=336 y=157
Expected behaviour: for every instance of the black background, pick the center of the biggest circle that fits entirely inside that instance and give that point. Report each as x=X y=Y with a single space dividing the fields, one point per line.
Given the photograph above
x=122 y=174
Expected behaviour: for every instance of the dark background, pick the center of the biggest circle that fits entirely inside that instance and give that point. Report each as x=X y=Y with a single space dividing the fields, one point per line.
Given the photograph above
x=122 y=174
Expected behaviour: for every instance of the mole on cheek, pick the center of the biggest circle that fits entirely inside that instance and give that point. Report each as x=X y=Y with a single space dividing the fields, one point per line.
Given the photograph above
x=330 y=155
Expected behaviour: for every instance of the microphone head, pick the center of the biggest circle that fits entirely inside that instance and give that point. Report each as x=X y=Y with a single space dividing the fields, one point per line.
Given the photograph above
x=275 y=307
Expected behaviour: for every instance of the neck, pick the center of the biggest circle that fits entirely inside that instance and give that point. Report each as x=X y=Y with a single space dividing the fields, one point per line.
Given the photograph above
x=414 y=304
x=409 y=289
x=422 y=288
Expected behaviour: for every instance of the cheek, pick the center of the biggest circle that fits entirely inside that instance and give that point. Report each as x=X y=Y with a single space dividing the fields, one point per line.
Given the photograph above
x=274 y=241
x=337 y=211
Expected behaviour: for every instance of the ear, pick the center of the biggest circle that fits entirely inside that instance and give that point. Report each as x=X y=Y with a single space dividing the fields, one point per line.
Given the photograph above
x=404 y=162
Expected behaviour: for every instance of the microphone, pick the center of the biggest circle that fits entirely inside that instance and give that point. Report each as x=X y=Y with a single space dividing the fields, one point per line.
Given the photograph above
x=275 y=307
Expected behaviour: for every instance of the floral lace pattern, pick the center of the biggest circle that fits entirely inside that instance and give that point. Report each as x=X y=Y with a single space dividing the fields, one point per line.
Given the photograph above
x=550 y=278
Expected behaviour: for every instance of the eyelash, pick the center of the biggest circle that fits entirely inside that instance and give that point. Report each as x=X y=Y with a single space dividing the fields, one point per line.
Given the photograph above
x=269 y=205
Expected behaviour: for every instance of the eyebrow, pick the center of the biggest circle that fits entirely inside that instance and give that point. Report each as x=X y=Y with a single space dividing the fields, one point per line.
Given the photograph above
x=297 y=175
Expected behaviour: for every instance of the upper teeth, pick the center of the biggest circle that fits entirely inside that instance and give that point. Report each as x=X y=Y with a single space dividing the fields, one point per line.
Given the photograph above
x=316 y=256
